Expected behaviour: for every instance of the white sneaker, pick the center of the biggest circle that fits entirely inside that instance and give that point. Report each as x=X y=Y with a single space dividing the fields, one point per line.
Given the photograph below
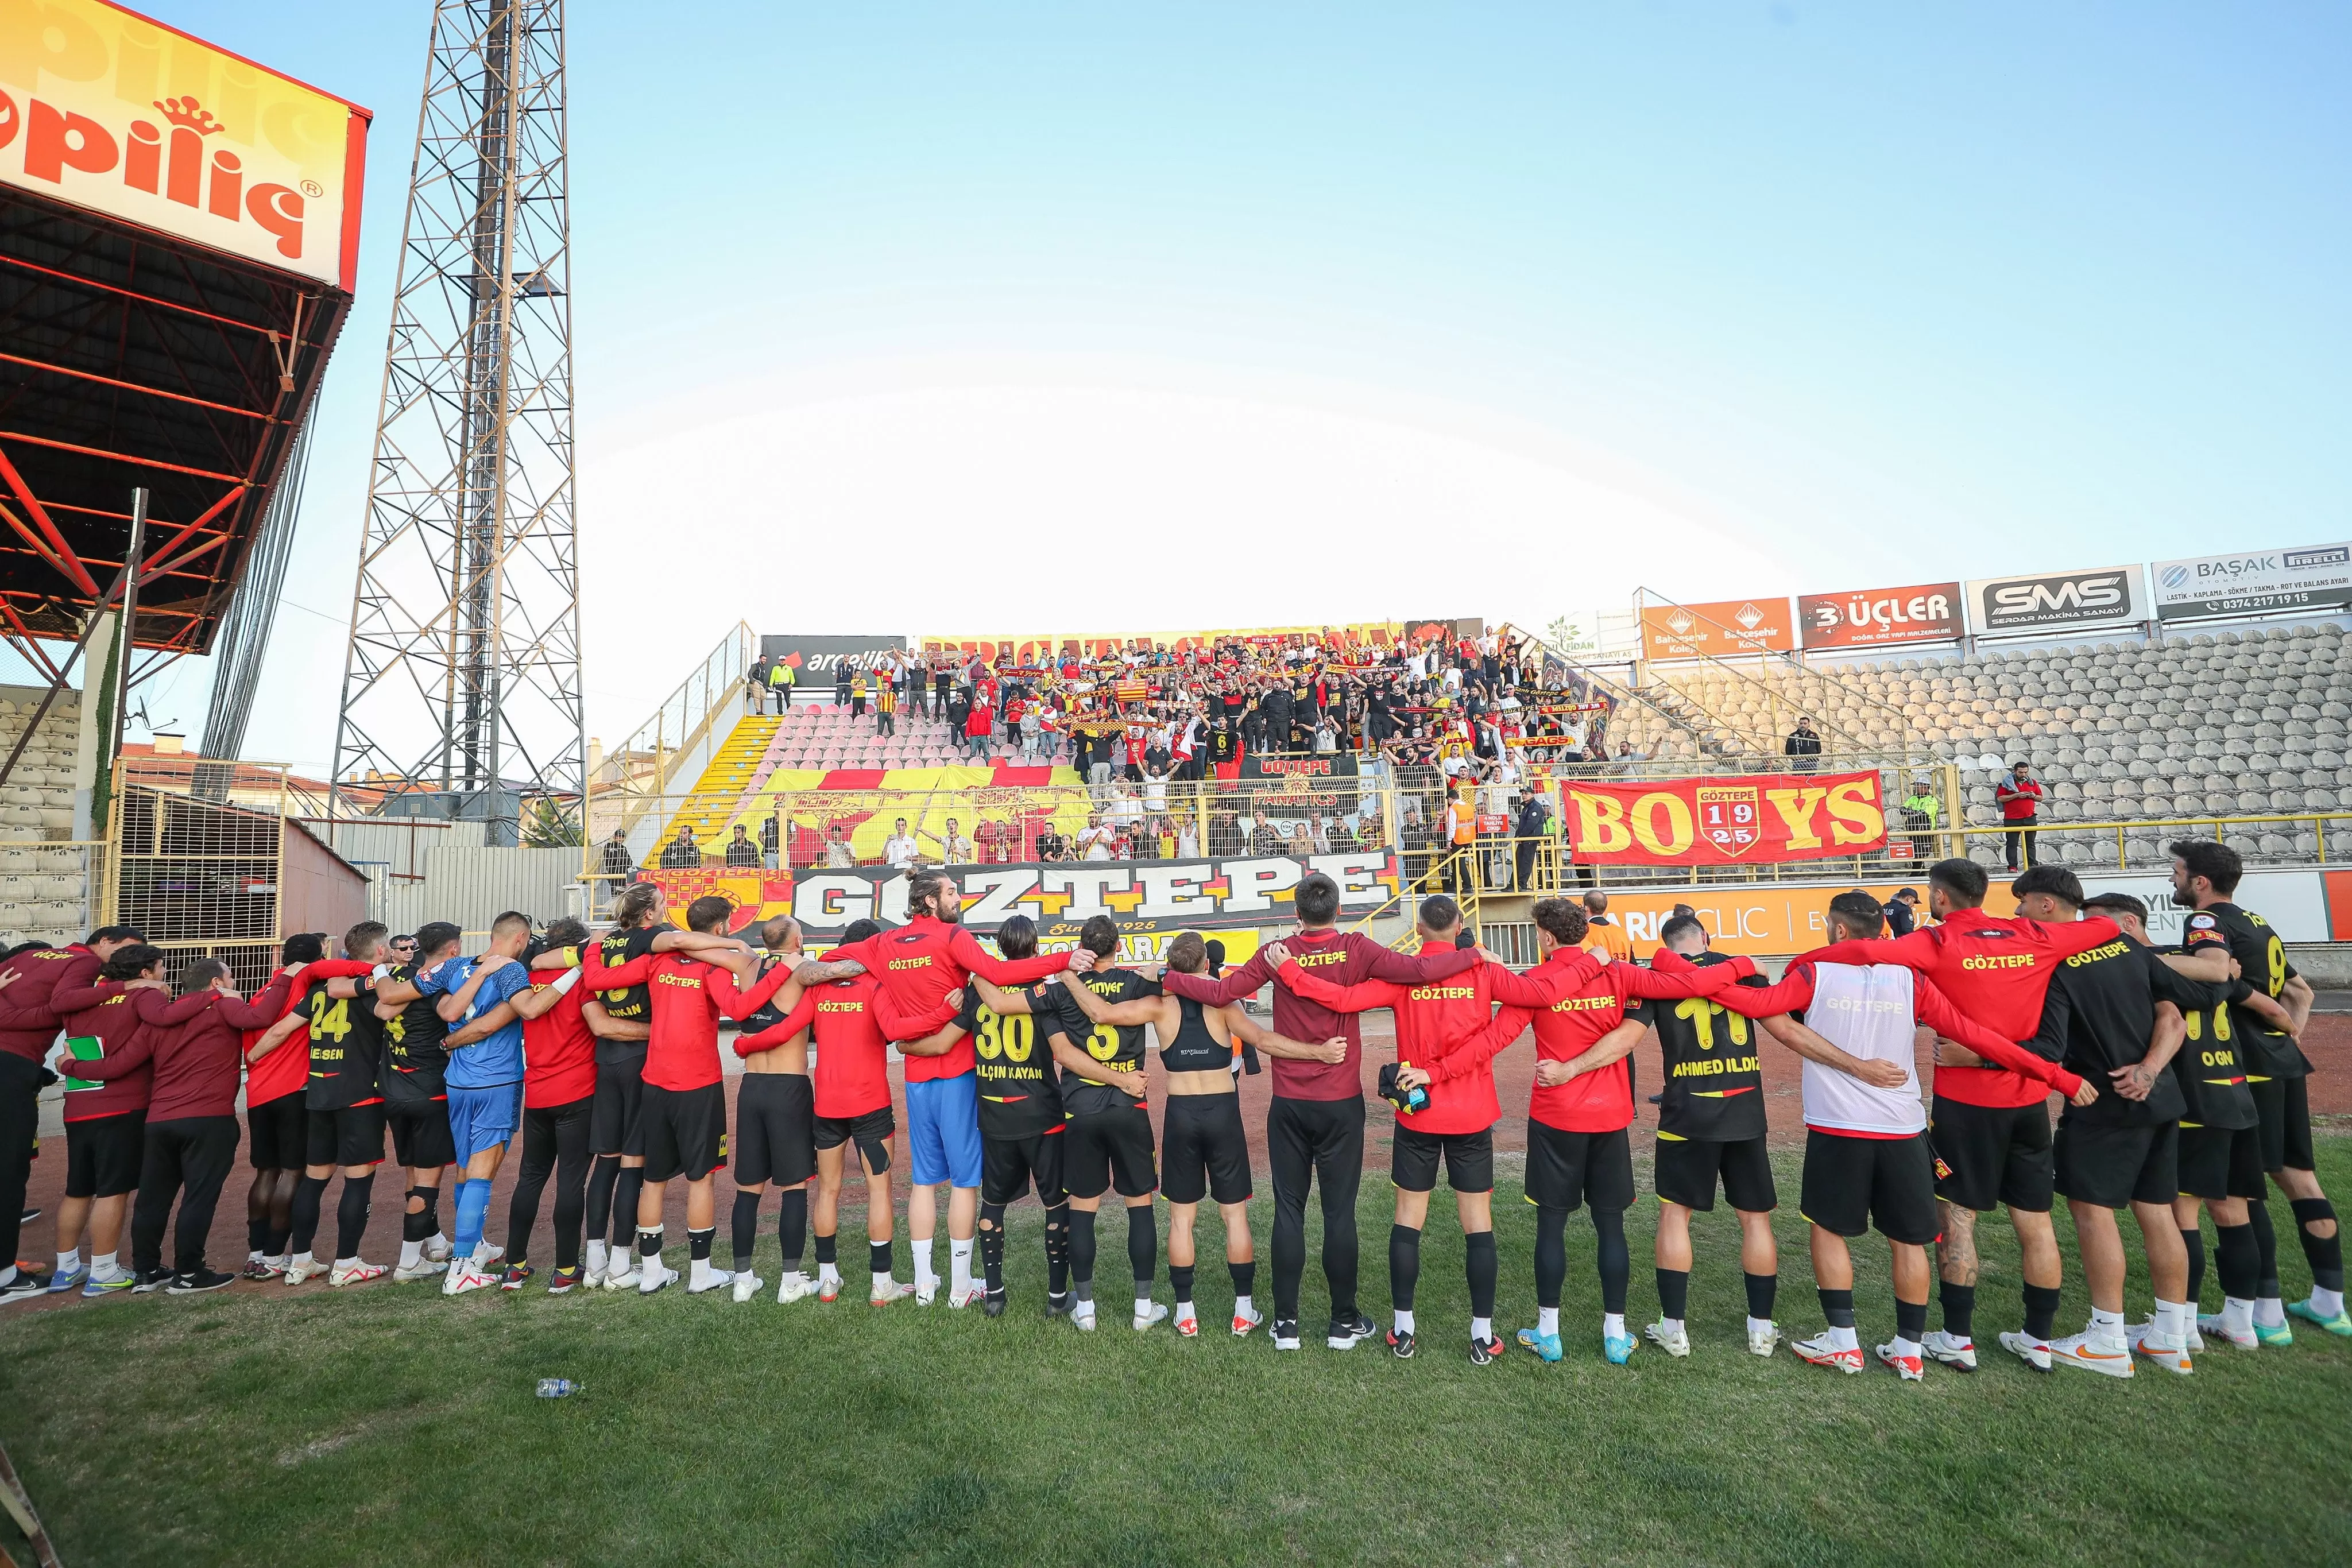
x=2213 y=1323
x=465 y=1277
x=2192 y=1340
x=896 y=1291
x=1674 y=1344
x=423 y=1269
x=970 y=1295
x=925 y=1294
x=713 y=1280
x=623 y=1275
x=1244 y=1323
x=436 y=1249
x=1960 y=1355
x=2034 y=1352
x=298 y=1271
x=1764 y=1341
x=1822 y=1351
x=2110 y=1356
x=1158 y=1314
x=358 y=1272
x=747 y=1284
x=794 y=1287
x=653 y=1274
x=2168 y=1353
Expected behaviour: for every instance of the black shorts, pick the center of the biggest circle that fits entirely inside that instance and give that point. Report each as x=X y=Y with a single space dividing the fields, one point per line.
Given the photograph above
x=104 y=1154
x=1689 y=1168
x=421 y=1139
x=775 y=1129
x=1569 y=1170
x=868 y=1128
x=277 y=1133
x=2283 y=1116
x=2216 y=1163
x=2113 y=1167
x=685 y=1131
x=1007 y=1166
x=1109 y=1150
x=1469 y=1159
x=616 y=1123
x=1851 y=1184
x=1204 y=1152
x=1987 y=1155
x=349 y=1136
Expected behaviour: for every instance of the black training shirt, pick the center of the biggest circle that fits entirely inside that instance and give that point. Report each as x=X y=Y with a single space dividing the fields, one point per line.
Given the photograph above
x=2263 y=965
x=2099 y=1014
x=1119 y=1046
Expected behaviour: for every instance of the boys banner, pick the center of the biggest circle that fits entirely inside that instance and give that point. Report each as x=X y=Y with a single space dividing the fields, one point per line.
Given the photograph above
x=1719 y=821
x=1146 y=898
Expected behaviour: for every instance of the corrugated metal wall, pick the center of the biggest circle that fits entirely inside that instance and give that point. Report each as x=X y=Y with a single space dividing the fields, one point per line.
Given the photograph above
x=473 y=886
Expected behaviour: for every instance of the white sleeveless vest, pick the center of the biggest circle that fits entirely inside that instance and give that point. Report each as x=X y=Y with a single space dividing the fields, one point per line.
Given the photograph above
x=1865 y=1011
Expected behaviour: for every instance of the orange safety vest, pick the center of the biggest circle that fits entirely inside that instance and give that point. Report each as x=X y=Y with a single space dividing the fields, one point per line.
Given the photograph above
x=1465 y=823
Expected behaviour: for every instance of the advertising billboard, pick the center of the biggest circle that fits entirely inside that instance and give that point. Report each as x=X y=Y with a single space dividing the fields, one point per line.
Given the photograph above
x=1718 y=822
x=108 y=111
x=1723 y=630
x=1879 y=616
x=2056 y=601
x=2317 y=578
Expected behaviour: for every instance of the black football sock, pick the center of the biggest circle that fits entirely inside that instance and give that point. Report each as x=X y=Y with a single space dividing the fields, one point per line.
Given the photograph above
x=1057 y=1251
x=698 y=1243
x=991 y=1247
x=825 y=1249
x=649 y=1241
x=746 y=1234
x=2237 y=1259
x=257 y=1214
x=877 y=1255
x=626 y=1190
x=602 y=1175
x=417 y=1223
x=2194 y=1241
x=1180 y=1279
x=1959 y=1309
x=1481 y=1268
x=2041 y=1311
x=351 y=1214
x=2258 y=1215
x=1911 y=1320
x=432 y=1210
x=1245 y=1278
x=791 y=1226
x=1082 y=1253
x=1674 y=1293
x=1552 y=1255
x=1837 y=1306
x=1143 y=1247
x=1616 y=1262
x=1404 y=1266
x=1763 y=1291
x=309 y=1194
x=2325 y=1254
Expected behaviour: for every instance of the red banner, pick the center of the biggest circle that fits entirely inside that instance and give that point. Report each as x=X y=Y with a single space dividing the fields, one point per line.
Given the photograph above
x=1926 y=612
x=1724 y=820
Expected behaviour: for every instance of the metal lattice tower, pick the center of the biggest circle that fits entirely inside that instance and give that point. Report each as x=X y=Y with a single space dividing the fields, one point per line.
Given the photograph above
x=463 y=673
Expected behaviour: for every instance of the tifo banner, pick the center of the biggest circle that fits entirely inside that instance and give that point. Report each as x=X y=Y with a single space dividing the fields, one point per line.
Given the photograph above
x=1717 y=822
x=814 y=659
x=2056 y=601
x=1038 y=647
x=1723 y=630
x=1874 y=617
x=110 y=112
x=2316 y=578
x=1146 y=898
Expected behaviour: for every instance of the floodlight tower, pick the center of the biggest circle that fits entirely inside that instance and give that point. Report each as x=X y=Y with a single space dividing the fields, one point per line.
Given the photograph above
x=462 y=677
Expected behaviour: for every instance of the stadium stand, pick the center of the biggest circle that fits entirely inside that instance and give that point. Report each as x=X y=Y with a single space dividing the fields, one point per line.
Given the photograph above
x=44 y=887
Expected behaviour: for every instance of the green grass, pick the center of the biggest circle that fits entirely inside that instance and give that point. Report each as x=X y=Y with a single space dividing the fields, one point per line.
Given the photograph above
x=392 y=1426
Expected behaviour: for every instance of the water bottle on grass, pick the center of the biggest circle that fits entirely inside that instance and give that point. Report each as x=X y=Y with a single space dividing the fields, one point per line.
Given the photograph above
x=557 y=1387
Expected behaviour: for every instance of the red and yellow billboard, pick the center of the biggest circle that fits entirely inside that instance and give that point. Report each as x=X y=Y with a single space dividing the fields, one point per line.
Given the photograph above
x=1725 y=629
x=110 y=112
x=1874 y=617
x=1725 y=820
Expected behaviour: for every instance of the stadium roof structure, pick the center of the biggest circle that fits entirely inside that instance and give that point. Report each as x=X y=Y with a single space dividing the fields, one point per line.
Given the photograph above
x=130 y=358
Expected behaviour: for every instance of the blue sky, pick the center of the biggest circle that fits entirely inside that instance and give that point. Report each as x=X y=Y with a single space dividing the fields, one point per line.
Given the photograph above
x=934 y=318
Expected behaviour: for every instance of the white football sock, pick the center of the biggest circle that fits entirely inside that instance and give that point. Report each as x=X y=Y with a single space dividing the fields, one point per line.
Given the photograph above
x=598 y=1253
x=2270 y=1311
x=2325 y=1302
x=346 y=1262
x=1404 y=1320
x=2169 y=1320
x=2237 y=1316
x=1614 y=1324
x=1143 y=1306
x=1482 y=1329
x=883 y=1282
x=1904 y=1346
x=1758 y=1325
x=703 y=1272
x=2106 y=1326
x=828 y=1274
x=1843 y=1338
x=411 y=1253
x=1242 y=1307
x=68 y=1261
x=959 y=1265
x=1547 y=1320
x=304 y=1259
x=1670 y=1326
x=104 y=1267
x=253 y=1256
x=1184 y=1309
x=927 y=1277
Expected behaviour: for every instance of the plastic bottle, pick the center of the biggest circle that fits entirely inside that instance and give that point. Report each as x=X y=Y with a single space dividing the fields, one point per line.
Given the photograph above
x=557 y=1387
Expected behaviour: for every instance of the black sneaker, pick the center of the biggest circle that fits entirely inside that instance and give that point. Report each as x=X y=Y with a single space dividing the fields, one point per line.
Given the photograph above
x=1350 y=1331
x=1483 y=1351
x=1286 y=1333
x=992 y=1304
x=1401 y=1343
x=24 y=1288
x=563 y=1281
x=196 y=1282
x=515 y=1277
x=147 y=1281
x=1057 y=1306
x=30 y=1215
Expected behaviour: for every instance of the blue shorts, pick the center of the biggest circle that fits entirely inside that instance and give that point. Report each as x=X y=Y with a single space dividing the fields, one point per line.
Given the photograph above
x=483 y=1118
x=943 y=1130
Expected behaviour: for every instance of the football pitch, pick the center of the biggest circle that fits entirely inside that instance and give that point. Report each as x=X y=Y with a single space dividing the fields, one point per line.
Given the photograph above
x=389 y=1426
